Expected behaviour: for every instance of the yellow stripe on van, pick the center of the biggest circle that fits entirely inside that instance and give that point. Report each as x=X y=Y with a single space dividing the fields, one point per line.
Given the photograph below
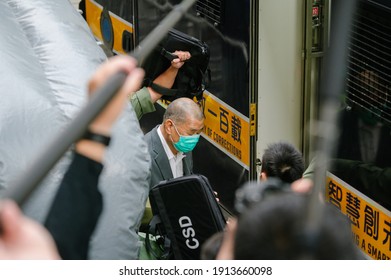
x=370 y=222
x=225 y=128
x=93 y=12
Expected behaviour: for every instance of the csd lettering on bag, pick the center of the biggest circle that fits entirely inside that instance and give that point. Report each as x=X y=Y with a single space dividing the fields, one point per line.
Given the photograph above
x=188 y=232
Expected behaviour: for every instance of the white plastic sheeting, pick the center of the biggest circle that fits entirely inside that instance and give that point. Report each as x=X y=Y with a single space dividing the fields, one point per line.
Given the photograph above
x=47 y=55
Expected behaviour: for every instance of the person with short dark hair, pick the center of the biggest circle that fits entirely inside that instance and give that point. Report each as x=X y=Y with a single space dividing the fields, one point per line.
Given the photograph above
x=282 y=160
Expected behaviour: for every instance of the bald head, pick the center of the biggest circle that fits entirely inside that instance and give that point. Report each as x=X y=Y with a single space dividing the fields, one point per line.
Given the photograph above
x=182 y=109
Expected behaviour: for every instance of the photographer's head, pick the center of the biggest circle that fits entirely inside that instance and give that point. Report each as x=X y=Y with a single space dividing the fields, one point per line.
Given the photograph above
x=282 y=160
x=278 y=229
x=246 y=197
x=272 y=224
x=253 y=193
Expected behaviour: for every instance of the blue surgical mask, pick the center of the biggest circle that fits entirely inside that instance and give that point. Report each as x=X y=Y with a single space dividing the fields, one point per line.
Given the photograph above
x=186 y=143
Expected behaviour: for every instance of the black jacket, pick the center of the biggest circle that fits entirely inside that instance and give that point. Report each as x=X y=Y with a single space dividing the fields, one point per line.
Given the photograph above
x=76 y=208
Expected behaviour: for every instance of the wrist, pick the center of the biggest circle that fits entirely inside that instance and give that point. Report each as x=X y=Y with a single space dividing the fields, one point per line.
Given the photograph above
x=101 y=129
x=90 y=149
x=174 y=68
x=101 y=138
x=93 y=145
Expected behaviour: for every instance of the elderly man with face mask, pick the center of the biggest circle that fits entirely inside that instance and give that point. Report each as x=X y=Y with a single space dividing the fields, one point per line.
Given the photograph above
x=170 y=143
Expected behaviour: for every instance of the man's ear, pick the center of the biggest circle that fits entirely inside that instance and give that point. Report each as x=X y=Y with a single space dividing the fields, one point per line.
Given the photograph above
x=168 y=126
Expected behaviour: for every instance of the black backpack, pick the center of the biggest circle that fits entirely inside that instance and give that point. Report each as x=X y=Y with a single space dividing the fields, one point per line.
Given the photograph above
x=185 y=214
x=192 y=77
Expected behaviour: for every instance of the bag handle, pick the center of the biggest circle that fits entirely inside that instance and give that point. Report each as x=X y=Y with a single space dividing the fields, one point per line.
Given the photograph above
x=167 y=54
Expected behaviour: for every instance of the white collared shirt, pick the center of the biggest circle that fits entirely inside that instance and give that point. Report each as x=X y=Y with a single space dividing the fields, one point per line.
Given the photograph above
x=175 y=161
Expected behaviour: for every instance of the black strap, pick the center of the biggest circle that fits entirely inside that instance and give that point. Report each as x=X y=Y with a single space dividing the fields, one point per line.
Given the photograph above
x=99 y=138
x=163 y=90
x=153 y=229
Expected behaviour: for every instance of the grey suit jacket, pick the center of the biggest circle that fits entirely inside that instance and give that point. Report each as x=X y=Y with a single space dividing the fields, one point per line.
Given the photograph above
x=161 y=169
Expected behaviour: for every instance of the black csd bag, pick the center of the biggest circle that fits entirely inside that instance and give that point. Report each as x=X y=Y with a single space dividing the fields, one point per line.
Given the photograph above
x=192 y=77
x=185 y=214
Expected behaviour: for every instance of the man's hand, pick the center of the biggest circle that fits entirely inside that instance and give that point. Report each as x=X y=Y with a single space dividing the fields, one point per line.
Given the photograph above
x=167 y=78
x=103 y=123
x=182 y=57
x=105 y=120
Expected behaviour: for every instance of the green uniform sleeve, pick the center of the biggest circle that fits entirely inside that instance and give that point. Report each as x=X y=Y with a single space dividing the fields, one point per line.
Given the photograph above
x=142 y=102
x=309 y=172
